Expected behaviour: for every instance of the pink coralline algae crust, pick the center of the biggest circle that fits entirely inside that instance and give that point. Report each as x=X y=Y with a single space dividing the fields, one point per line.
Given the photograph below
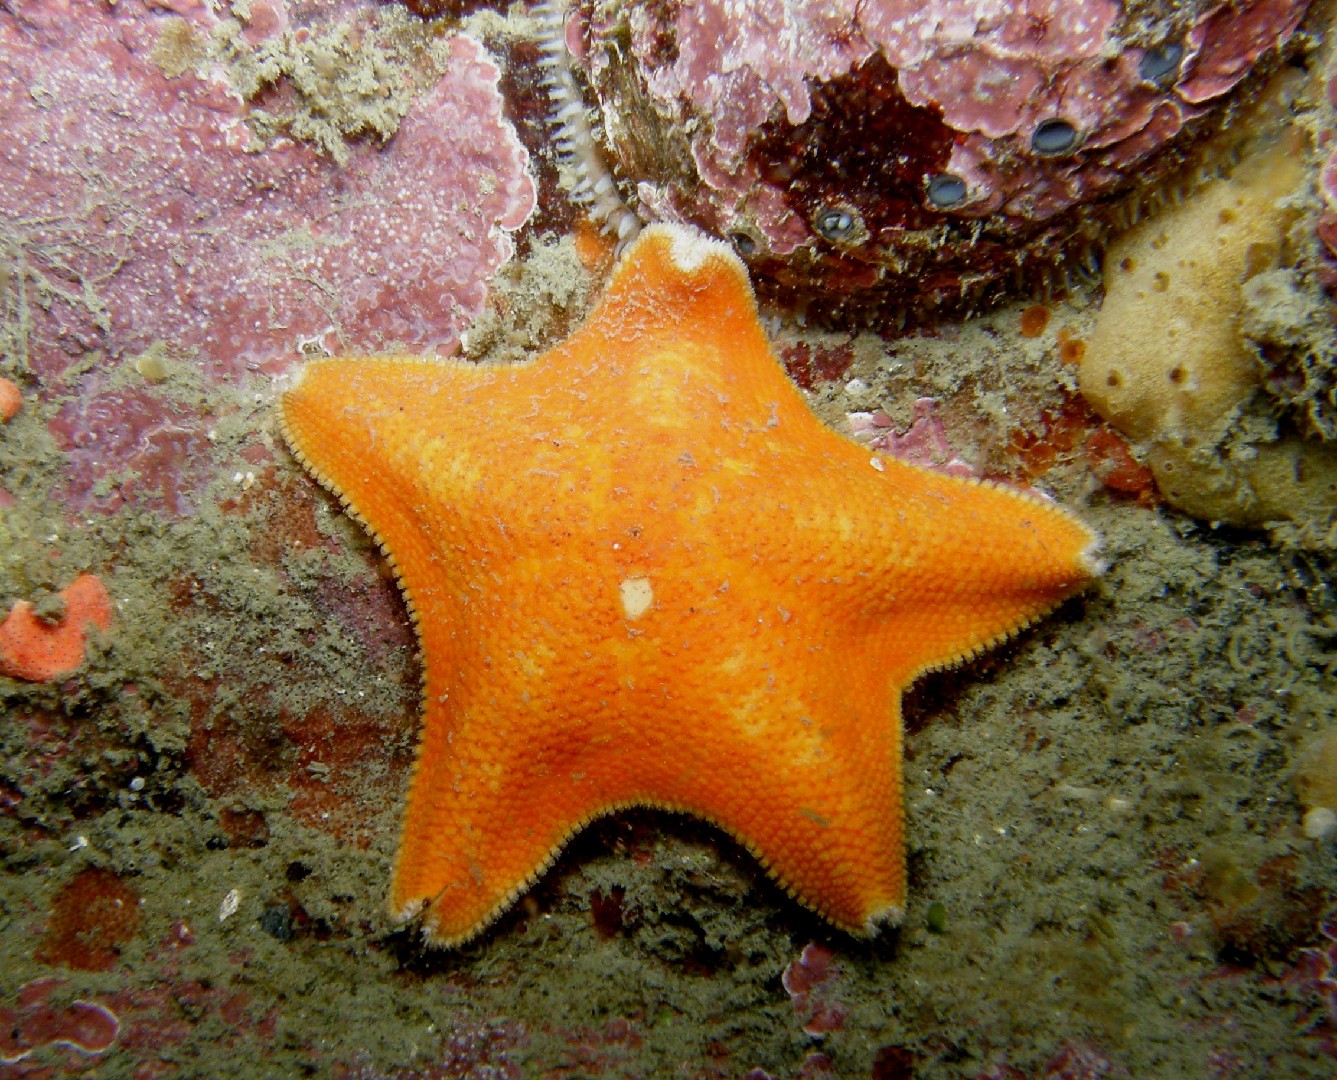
x=1316 y=974
x=811 y=365
x=139 y=188
x=164 y=451
x=923 y=443
x=810 y=982
x=1073 y=1061
x=159 y=1019
x=135 y=215
x=1327 y=222
x=920 y=151
x=33 y=1023
x=471 y=1049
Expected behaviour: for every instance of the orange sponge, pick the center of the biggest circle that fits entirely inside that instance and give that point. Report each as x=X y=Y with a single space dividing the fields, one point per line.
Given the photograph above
x=11 y=400
x=32 y=648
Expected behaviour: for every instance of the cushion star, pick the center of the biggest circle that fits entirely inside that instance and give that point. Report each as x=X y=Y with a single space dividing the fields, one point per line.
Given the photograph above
x=643 y=573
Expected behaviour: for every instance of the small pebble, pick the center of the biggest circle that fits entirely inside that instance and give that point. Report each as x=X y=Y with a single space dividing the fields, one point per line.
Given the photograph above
x=229 y=906
x=1319 y=823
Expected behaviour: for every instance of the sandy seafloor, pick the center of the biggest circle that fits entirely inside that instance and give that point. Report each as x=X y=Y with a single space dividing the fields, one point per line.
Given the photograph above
x=1108 y=870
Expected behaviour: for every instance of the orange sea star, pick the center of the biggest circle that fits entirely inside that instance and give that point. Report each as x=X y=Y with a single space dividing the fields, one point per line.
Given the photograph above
x=643 y=572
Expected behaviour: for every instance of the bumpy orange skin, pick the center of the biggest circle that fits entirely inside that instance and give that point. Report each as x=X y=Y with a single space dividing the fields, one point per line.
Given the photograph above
x=644 y=573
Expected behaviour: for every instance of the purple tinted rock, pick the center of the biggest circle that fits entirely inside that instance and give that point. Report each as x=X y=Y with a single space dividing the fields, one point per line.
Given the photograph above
x=1327 y=223
x=1226 y=41
x=139 y=216
x=160 y=452
x=910 y=154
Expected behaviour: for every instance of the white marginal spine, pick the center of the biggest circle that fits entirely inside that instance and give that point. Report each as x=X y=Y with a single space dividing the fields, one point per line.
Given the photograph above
x=570 y=120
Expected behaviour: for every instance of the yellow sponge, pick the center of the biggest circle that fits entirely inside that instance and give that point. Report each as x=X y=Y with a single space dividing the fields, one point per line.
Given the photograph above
x=1167 y=360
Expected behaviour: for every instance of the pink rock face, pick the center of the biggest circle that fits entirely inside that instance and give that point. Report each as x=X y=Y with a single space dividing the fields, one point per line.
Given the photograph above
x=33 y=1024
x=1327 y=222
x=920 y=151
x=161 y=449
x=811 y=982
x=137 y=216
x=924 y=443
x=141 y=215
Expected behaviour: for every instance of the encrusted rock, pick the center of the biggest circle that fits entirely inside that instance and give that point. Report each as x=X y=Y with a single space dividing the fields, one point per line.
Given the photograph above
x=902 y=155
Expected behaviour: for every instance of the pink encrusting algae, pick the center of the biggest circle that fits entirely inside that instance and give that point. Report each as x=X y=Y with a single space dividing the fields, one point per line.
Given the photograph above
x=1327 y=222
x=33 y=1023
x=1021 y=134
x=142 y=216
x=924 y=442
x=810 y=982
